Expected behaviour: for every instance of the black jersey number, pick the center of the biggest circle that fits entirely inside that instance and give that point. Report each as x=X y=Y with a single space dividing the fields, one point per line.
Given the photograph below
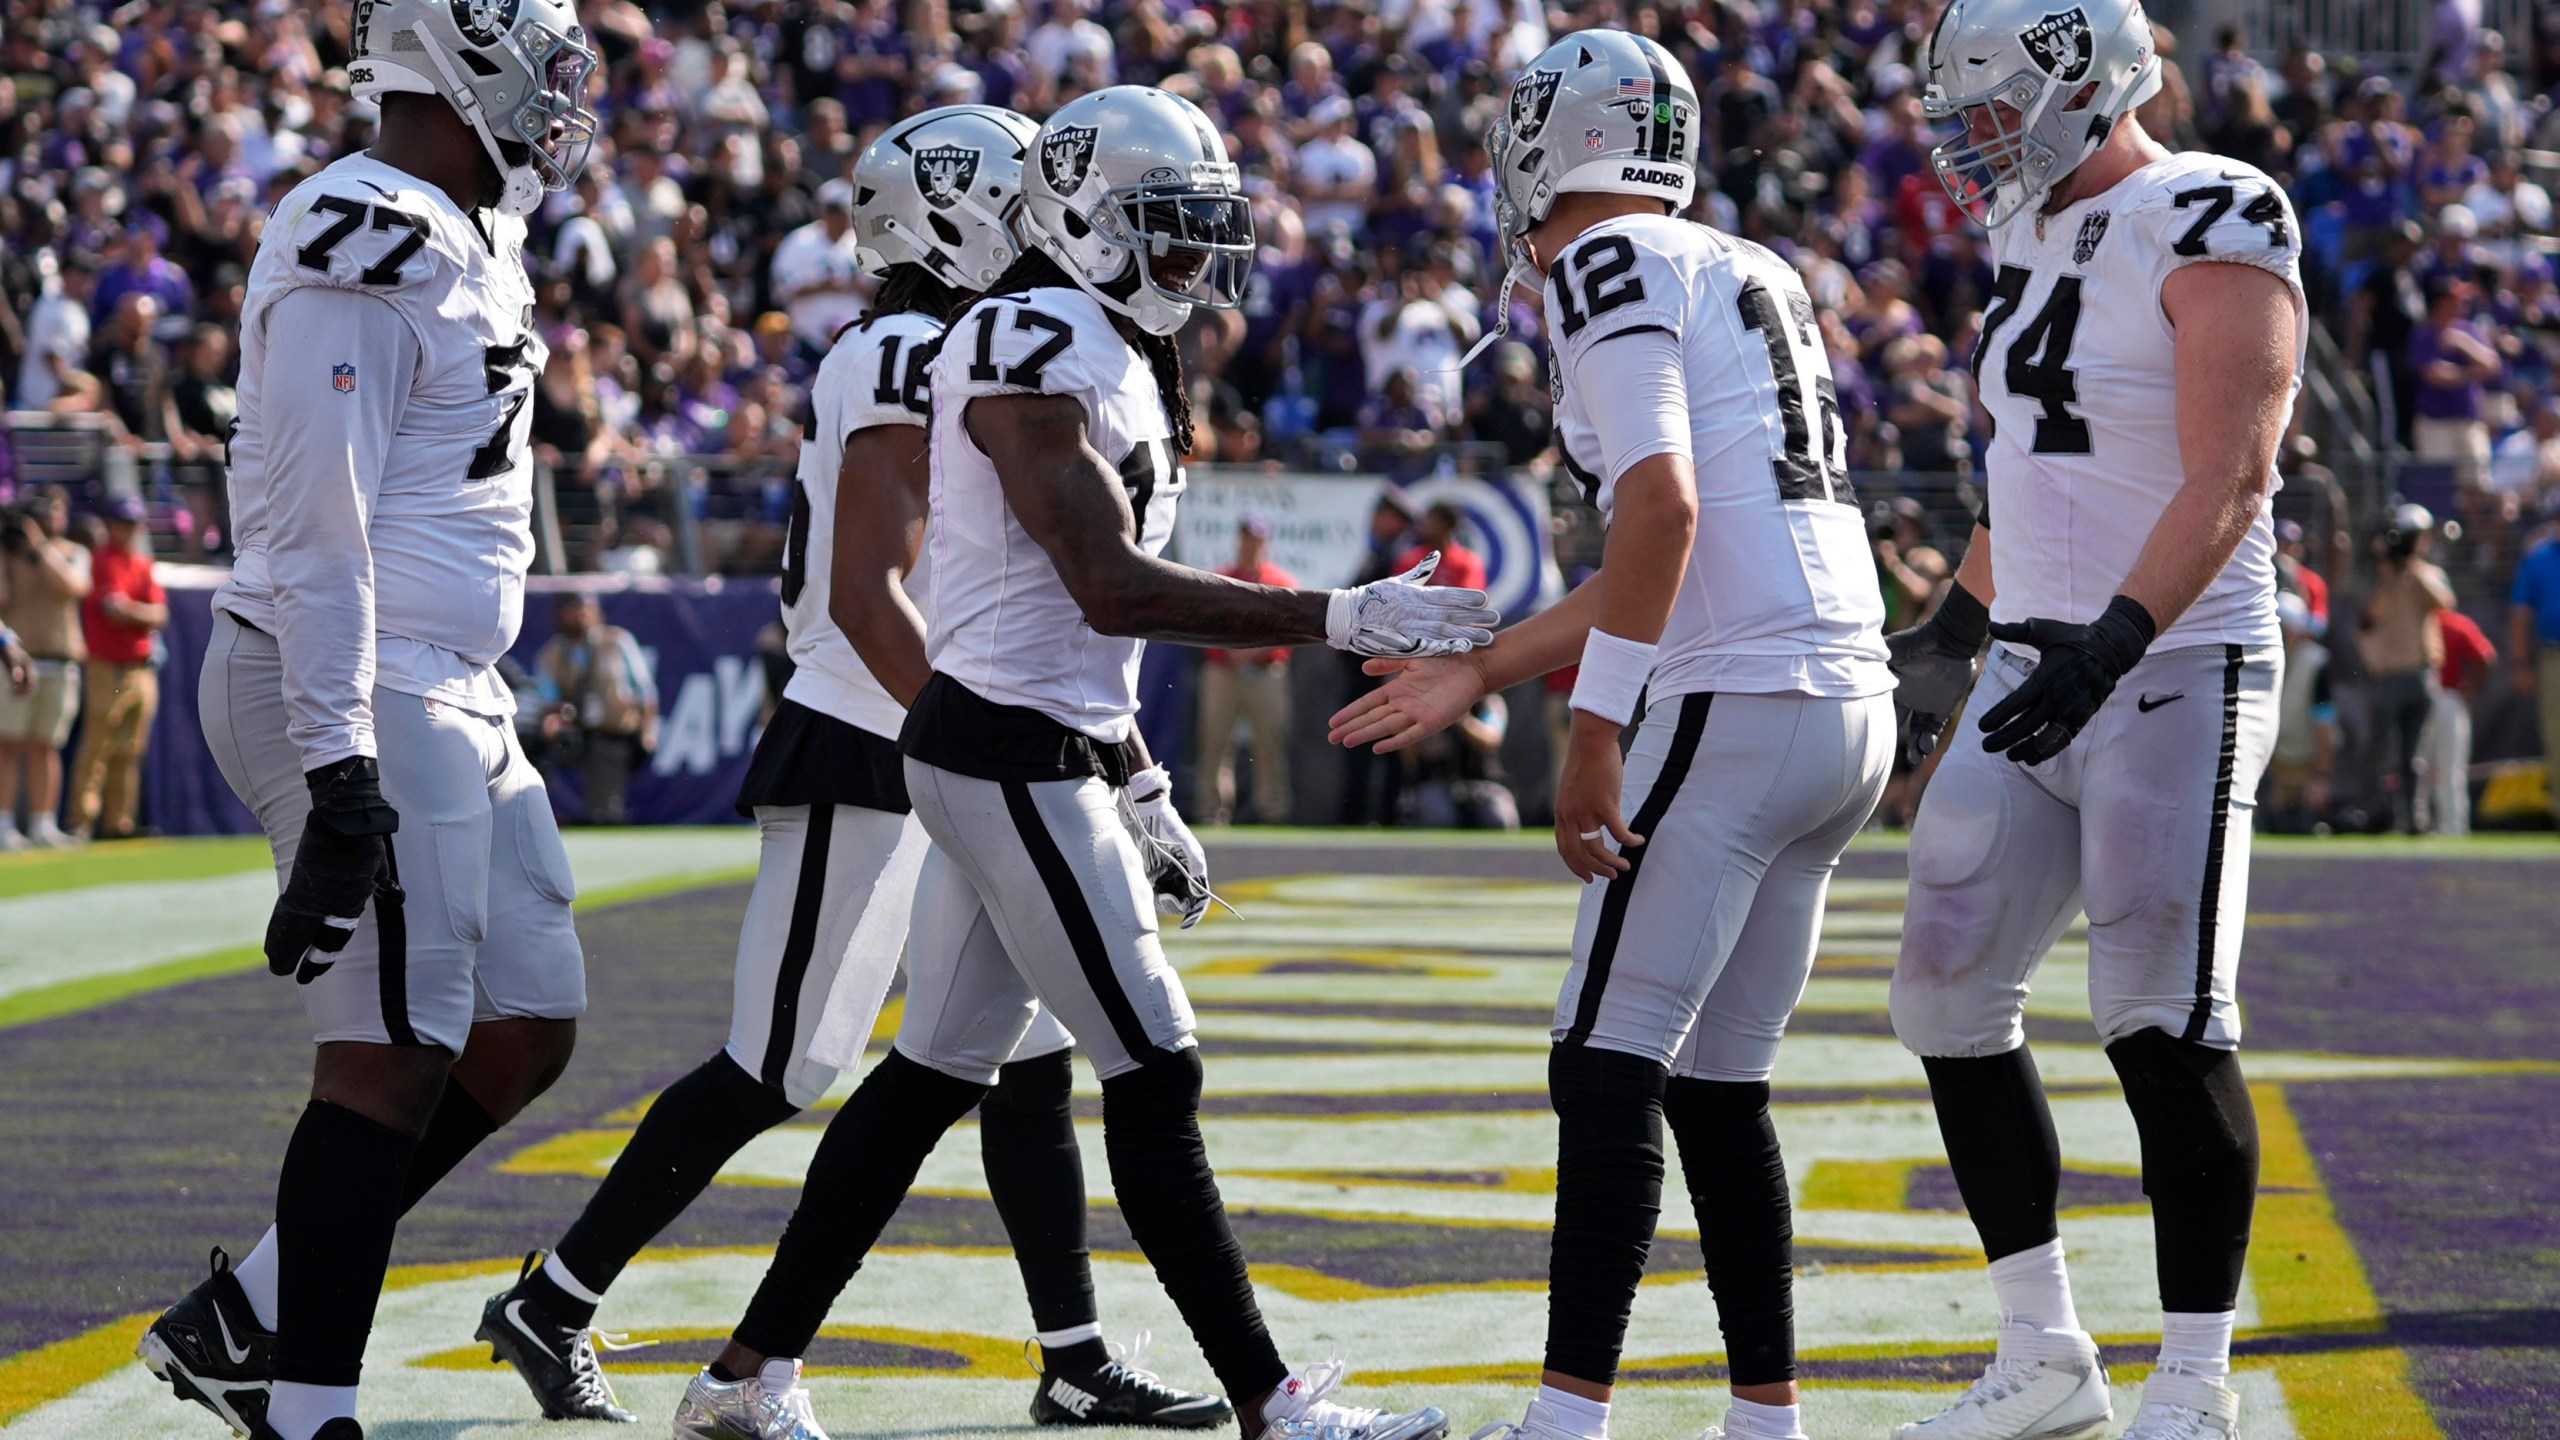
x=352 y=216
x=1027 y=375
x=501 y=363
x=913 y=388
x=795 y=546
x=1811 y=467
x=2263 y=209
x=2037 y=364
x=1602 y=265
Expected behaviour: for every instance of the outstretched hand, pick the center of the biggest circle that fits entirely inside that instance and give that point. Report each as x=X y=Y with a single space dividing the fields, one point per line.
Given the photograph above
x=1426 y=696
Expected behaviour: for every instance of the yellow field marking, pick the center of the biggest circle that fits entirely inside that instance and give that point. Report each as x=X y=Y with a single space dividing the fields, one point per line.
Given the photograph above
x=40 y=1377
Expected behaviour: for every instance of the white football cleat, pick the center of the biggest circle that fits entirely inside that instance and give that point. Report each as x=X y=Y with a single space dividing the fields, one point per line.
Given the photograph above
x=1300 y=1410
x=2180 y=1406
x=1538 y=1424
x=771 y=1404
x=2042 y=1385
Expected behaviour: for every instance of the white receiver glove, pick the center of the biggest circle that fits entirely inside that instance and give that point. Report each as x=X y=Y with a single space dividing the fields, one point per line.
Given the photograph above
x=1176 y=864
x=1405 y=617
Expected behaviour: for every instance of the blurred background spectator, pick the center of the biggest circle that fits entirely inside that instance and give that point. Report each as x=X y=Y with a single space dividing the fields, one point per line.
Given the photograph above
x=121 y=619
x=1252 y=685
x=596 y=680
x=43 y=577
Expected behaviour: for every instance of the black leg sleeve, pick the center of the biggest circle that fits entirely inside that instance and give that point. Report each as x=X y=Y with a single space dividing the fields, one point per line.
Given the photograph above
x=2000 y=1142
x=863 y=1169
x=1608 y=1201
x=2199 y=1163
x=455 y=1130
x=1169 y=1196
x=691 y=1130
x=337 y=1205
x=1738 y=1185
x=1027 y=1134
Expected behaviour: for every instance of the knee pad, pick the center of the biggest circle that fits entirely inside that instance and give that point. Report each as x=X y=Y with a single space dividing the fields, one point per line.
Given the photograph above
x=2199 y=1162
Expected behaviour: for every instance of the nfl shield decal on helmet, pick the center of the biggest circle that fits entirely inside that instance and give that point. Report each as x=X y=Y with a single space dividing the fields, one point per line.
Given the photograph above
x=1531 y=98
x=343 y=377
x=1065 y=157
x=2061 y=44
x=944 y=173
x=2092 y=230
x=1593 y=139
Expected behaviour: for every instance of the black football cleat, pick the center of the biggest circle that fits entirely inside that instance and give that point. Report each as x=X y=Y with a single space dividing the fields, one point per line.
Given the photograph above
x=558 y=1362
x=341 y=1428
x=211 y=1349
x=1123 y=1392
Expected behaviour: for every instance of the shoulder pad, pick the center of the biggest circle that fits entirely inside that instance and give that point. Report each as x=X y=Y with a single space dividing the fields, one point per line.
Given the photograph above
x=1045 y=342
x=2221 y=210
x=1611 y=281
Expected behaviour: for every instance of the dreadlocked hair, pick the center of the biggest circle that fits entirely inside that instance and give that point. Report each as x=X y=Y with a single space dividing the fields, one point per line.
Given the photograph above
x=912 y=289
x=1034 y=270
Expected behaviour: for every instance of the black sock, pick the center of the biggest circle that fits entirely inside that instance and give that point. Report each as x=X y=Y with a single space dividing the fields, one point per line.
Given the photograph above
x=863 y=1169
x=337 y=1204
x=2199 y=1163
x=1035 y=1172
x=455 y=1130
x=1608 y=1200
x=1738 y=1185
x=1169 y=1197
x=2001 y=1145
x=691 y=1130
x=724 y=1374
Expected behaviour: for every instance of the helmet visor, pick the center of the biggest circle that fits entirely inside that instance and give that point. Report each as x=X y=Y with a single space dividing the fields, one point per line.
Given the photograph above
x=1193 y=244
x=554 y=121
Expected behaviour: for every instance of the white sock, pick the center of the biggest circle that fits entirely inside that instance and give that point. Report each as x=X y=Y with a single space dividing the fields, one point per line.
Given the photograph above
x=2197 y=1344
x=256 y=1272
x=1763 y=1422
x=2034 y=1287
x=297 y=1410
x=1576 y=1414
x=1073 y=1335
x=559 y=1275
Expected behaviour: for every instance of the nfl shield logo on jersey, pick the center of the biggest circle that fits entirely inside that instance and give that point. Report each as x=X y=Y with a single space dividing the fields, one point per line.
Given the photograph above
x=1066 y=156
x=2061 y=44
x=2092 y=230
x=343 y=377
x=944 y=173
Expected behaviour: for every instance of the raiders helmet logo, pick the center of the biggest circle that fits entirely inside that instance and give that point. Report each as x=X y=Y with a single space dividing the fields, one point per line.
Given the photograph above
x=2092 y=230
x=1531 y=98
x=944 y=173
x=2061 y=44
x=484 y=22
x=1066 y=154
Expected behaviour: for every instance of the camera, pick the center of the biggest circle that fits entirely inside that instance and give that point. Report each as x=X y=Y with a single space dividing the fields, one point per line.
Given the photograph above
x=1881 y=521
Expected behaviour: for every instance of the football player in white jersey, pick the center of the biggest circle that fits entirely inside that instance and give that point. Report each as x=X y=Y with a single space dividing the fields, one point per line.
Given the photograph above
x=1060 y=424
x=382 y=485
x=1737 y=594
x=2139 y=357
x=829 y=793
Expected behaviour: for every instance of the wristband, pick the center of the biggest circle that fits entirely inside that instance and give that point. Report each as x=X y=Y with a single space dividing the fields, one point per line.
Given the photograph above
x=1613 y=674
x=2127 y=629
x=1964 y=619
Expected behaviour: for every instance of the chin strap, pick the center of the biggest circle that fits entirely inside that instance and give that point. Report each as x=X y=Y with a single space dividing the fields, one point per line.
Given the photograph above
x=1501 y=317
x=1076 y=273
x=522 y=190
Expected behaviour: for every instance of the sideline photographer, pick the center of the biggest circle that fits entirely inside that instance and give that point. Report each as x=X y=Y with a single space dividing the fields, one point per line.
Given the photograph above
x=2402 y=649
x=43 y=577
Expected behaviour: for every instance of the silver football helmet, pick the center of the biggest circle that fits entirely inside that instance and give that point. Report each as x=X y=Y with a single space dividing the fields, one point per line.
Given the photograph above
x=515 y=70
x=2037 y=85
x=944 y=191
x=1131 y=181
x=1601 y=110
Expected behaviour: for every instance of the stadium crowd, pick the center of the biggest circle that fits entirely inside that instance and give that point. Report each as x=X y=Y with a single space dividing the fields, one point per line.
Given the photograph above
x=690 y=281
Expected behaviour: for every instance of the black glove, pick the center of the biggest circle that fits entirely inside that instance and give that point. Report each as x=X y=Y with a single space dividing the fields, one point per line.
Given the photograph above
x=1933 y=663
x=2079 y=670
x=344 y=860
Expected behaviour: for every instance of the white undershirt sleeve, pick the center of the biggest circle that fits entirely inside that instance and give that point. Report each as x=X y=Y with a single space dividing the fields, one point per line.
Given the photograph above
x=339 y=365
x=1646 y=412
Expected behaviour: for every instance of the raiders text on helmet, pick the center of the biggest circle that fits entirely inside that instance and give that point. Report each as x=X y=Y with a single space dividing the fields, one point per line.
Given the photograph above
x=2038 y=86
x=515 y=70
x=1131 y=189
x=944 y=191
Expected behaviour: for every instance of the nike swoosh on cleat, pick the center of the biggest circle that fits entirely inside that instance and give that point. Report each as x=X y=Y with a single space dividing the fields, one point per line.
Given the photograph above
x=2146 y=704
x=515 y=1318
x=239 y=1353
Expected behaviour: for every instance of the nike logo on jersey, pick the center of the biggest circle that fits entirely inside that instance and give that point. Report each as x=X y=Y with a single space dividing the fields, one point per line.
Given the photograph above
x=239 y=1353
x=2146 y=704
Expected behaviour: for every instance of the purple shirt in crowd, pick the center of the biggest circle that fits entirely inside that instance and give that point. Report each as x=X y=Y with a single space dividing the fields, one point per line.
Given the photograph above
x=2442 y=402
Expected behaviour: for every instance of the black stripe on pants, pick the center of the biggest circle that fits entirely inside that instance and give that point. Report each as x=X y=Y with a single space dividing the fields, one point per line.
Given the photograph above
x=391 y=936
x=1075 y=915
x=781 y=1036
x=2209 y=904
x=1622 y=887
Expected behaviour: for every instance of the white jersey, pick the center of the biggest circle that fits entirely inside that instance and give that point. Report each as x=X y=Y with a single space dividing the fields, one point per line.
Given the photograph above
x=877 y=374
x=2077 y=367
x=1781 y=594
x=381 y=483
x=1003 y=624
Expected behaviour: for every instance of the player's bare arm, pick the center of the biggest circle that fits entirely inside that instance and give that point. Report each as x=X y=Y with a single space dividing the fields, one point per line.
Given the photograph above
x=1646 y=555
x=879 y=529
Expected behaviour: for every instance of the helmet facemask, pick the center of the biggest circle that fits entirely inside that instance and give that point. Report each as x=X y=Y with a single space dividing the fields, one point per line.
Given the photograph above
x=540 y=146
x=1996 y=166
x=1190 y=242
